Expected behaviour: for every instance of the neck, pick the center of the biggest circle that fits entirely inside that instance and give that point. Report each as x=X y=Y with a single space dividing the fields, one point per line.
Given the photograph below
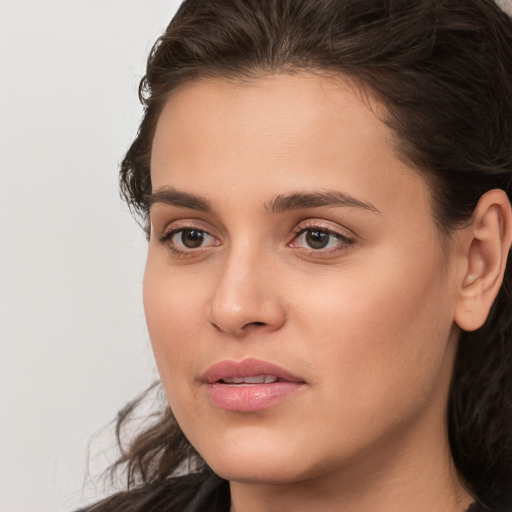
x=397 y=473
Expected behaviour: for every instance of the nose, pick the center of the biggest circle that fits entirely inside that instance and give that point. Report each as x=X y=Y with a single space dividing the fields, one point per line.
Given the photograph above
x=246 y=297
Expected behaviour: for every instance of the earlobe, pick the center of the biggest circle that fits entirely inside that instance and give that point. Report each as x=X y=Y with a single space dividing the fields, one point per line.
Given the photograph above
x=485 y=245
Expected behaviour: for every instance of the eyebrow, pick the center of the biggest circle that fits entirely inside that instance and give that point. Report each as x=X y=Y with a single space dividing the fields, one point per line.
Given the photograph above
x=173 y=197
x=305 y=200
x=279 y=204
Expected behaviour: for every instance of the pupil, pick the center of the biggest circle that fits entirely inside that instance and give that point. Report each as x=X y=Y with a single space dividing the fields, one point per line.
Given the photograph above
x=317 y=239
x=192 y=238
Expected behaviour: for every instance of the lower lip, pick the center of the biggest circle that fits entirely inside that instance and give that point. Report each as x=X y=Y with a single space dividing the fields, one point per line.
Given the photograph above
x=250 y=397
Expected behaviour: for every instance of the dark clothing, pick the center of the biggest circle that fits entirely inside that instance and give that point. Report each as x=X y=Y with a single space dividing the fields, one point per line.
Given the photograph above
x=213 y=496
x=199 y=492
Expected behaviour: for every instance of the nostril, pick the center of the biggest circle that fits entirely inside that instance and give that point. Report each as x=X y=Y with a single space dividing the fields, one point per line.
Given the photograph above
x=250 y=325
x=246 y=326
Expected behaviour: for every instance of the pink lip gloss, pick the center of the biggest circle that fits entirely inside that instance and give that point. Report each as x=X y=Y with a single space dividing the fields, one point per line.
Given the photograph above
x=250 y=397
x=249 y=385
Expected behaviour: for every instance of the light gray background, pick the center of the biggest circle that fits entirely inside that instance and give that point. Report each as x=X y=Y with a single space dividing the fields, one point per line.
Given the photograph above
x=73 y=345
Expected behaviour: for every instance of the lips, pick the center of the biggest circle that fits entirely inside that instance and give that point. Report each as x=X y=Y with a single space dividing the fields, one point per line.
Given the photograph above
x=249 y=385
x=247 y=368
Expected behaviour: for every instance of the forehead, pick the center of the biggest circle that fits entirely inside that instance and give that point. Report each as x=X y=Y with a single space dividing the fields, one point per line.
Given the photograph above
x=279 y=133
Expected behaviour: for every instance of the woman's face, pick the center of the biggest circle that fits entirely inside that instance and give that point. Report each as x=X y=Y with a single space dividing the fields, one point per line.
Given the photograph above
x=289 y=242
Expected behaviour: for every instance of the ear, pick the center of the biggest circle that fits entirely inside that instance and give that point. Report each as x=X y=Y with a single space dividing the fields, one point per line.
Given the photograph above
x=485 y=246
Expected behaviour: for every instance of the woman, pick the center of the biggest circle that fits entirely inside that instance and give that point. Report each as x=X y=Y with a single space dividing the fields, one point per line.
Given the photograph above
x=324 y=188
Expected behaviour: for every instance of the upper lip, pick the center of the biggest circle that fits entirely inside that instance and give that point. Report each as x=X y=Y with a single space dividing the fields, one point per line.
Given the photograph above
x=246 y=368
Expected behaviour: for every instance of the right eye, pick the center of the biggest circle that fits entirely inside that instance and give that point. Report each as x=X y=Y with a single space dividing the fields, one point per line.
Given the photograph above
x=185 y=240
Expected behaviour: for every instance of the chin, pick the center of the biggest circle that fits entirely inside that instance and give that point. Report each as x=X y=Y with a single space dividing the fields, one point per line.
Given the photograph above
x=261 y=472
x=257 y=458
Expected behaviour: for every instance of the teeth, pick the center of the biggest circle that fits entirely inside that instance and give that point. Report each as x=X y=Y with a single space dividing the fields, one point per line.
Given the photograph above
x=257 y=379
x=260 y=379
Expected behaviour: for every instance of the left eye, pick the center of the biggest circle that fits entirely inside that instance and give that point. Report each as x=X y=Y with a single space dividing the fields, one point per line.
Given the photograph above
x=317 y=239
x=190 y=238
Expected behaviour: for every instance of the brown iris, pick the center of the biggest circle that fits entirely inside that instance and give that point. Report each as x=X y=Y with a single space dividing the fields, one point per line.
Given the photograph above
x=192 y=238
x=317 y=239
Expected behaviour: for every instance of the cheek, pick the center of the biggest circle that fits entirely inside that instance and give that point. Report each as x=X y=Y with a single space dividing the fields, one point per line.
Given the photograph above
x=380 y=332
x=172 y=307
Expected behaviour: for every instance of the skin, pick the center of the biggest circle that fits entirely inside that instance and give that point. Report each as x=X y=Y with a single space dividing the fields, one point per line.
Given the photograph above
x=370 y=324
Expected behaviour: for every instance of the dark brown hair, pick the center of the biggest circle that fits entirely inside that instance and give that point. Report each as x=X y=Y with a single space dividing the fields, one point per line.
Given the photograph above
x=443 y=70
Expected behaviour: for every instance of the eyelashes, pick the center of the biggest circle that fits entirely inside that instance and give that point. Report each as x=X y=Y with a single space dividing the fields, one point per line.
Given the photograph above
x=311 y=238
x=320 y=239
x=185 y=240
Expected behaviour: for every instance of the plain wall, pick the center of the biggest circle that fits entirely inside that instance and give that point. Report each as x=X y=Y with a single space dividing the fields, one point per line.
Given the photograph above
x=73 y=343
